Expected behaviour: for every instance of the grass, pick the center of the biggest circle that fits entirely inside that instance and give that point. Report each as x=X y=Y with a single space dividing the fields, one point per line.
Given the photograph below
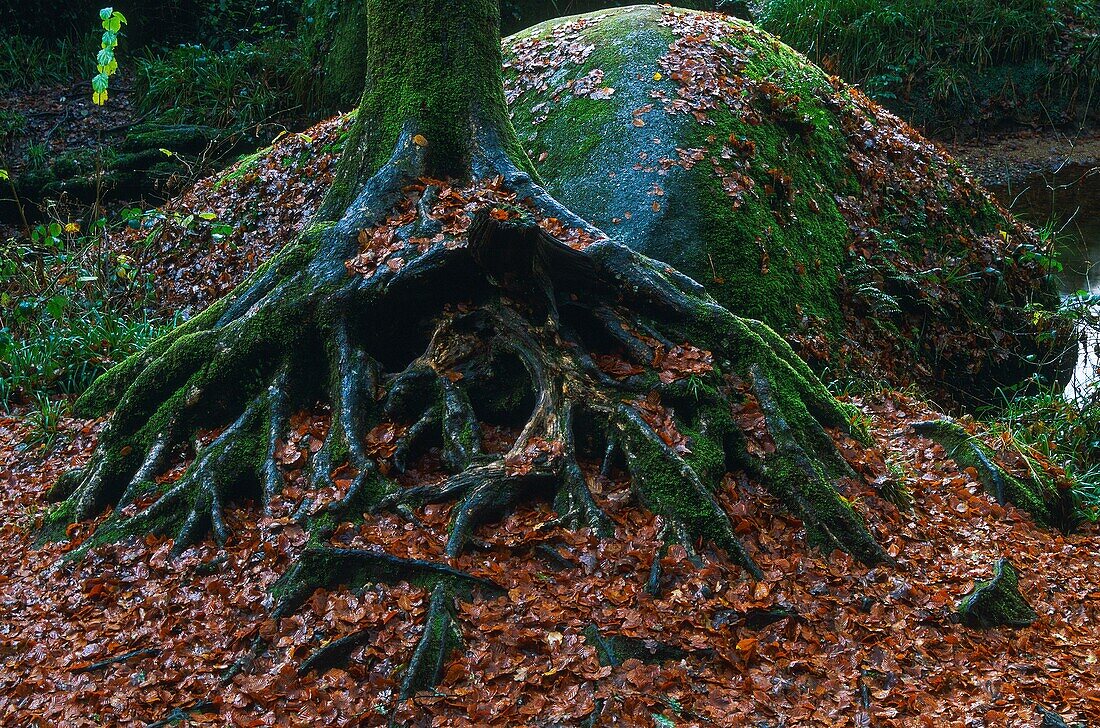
x=952 y=52
x=250 y=84
x=69 y=309
x=28 y=61
x=1066 y=433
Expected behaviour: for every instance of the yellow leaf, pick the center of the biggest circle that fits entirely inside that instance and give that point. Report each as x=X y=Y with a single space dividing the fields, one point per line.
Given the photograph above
x=657 y=76
x=420 y=140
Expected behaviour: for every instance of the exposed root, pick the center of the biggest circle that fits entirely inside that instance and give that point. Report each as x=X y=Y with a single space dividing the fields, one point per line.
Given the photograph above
x=410 y=342
x=278 y=414
x=353 y=394
x=671 y=534
x=614 y=650
x=1039 y=498
x=797 y=479
x=670 y=487
x=325 y=567
x=997 y=602
x=335 y=653
x=440 y=638
x=574 y=503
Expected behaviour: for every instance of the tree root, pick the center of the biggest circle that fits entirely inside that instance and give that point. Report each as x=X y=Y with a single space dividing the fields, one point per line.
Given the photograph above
x=997 y=602
x=1038 y=498
x=440 y=638
x=325 y=567
x=406 y=345
x=614 y=650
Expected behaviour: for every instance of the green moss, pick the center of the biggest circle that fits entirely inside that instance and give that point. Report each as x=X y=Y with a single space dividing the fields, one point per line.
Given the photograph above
x=55 y=523
x=753 y=259
x=441 y=637
x=997 y=602
x=669 y=487
x=614 y=650
x=829 y=519
x=435 y=78
x=335 y=35
x=243 y=167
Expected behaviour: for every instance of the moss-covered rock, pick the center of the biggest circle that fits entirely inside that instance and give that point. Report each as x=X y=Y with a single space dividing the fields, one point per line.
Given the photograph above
x=706 y=143
x=130 y=164
x=997 y=602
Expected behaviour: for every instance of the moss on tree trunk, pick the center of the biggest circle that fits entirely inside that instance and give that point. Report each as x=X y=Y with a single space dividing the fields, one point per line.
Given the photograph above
x=433 y=78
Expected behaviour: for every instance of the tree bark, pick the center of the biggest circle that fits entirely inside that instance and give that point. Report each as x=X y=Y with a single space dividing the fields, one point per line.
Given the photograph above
x=433 y=78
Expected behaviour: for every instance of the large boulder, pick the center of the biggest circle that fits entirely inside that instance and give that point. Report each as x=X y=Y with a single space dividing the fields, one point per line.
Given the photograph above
x=706 y=143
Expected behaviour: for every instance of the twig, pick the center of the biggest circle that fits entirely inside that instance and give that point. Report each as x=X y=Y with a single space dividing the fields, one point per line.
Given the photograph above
x=181 y=714
x=147 y=652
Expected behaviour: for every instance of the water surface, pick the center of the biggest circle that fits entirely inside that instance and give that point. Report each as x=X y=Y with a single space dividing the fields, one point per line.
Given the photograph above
x=1068 y=199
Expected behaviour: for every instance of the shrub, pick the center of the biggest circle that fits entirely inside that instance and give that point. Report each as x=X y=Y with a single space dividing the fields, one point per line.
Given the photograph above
x=247 y=85
x=952 y=52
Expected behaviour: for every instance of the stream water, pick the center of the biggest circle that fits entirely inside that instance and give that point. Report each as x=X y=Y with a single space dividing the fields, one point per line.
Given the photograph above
x=1070 y=200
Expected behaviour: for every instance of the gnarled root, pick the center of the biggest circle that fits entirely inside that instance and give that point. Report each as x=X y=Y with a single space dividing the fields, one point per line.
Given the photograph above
x=596 y=351
x=327 y=567
x=1041 y=499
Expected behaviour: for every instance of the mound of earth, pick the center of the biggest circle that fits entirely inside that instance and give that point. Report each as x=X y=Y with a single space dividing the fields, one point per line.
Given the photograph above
x=703 y=142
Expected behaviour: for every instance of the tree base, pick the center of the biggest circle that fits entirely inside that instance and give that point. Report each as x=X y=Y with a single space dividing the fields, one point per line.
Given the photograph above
x=433 y=310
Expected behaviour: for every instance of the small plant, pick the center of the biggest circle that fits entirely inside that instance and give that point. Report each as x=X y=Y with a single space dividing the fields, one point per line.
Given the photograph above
x=1049 y=427
x=106 y=65
x=12 y=123
x=45 y=423
x=37 y=157
x=5 y=177
x=249 y=84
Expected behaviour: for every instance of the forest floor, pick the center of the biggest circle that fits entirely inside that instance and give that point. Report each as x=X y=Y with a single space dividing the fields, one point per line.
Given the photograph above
x=129 y=635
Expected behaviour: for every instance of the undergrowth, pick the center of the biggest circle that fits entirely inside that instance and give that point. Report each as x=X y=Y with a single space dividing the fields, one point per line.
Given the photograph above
x=252 y=83
x=27 y=61
x=1063 y=431
x=1061 y=425
x=980 y=57
x=70 y=308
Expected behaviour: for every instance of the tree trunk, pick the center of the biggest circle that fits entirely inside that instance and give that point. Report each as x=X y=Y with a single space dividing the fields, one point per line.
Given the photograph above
x=441 y=283
x=433 y=74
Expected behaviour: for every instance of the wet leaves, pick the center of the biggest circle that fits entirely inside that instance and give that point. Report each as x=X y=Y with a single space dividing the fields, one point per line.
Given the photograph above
x=681 y=362
x=450 y=211
x=536 y=450
x=660 y=420
x=867 y=647
x=881 y=633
